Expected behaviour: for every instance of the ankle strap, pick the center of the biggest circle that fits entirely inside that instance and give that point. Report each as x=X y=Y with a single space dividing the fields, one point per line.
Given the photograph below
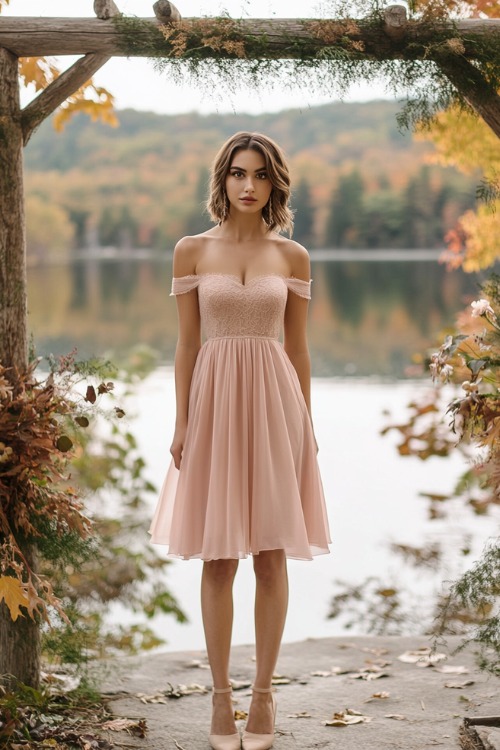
x=222 y=690
x=263 y=690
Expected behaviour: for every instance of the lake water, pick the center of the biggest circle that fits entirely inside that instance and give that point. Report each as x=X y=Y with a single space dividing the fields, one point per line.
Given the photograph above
x=370 y=313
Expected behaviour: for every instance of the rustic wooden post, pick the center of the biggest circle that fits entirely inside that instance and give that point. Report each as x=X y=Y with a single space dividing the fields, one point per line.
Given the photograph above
x=20 y=640
x=13 y=350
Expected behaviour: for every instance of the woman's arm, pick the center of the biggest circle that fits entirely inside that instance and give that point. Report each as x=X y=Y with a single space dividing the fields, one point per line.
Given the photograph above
x=295 y=323
x=188 y=342
x=295 y=343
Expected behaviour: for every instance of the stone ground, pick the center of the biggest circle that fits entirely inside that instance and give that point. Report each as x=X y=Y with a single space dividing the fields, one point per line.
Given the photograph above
x=419 y=711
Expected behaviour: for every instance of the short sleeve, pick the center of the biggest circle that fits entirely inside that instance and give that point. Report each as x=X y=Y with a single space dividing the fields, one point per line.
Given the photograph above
x=300 y=287
x=184 y=284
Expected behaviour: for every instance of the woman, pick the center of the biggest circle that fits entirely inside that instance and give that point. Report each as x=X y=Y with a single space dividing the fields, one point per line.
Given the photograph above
x=244 y=477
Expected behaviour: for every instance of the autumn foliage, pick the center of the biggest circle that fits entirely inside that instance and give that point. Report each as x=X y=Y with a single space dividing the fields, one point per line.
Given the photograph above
x=95 y=101
x=37 y=501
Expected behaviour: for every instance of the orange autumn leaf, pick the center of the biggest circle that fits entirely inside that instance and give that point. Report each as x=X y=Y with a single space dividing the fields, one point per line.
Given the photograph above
x=38 y=71
x=94 y=101
x=12 y=592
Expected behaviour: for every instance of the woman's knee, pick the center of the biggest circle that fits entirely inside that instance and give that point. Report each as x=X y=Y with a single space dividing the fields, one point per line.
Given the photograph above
x=220 y=572
x=270 y=566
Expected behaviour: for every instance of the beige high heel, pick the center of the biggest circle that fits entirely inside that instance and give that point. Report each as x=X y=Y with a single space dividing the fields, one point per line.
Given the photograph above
x=253 y=741
x=224 y=741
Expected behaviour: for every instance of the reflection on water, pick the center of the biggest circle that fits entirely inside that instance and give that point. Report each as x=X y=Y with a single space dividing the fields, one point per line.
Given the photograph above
x=369 y=313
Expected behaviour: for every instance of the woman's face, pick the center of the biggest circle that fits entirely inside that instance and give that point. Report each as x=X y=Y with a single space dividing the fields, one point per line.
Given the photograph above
x=248 y=186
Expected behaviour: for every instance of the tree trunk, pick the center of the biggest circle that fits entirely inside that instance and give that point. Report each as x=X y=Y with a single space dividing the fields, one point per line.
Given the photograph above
x=20 y=640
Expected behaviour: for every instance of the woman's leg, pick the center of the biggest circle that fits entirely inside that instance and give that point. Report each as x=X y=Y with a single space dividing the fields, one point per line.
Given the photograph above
x=217 y=610
x=271 y=602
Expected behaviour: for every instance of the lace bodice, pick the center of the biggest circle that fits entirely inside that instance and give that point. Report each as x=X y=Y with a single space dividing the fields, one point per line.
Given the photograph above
x=229 y=308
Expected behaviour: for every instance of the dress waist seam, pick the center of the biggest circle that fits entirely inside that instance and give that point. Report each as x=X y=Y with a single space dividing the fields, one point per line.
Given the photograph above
x=243 y=336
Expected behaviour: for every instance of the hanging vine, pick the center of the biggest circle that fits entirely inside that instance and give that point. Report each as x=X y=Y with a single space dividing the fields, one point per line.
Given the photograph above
x=220 y=57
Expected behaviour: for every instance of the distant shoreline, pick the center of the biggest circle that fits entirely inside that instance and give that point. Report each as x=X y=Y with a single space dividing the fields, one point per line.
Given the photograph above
x=328 y=255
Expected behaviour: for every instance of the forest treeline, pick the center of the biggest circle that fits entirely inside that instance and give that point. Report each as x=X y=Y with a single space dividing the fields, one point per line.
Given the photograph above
x=358 y=181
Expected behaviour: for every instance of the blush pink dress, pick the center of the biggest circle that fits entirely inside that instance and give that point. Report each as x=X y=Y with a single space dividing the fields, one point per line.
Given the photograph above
x=249 y=479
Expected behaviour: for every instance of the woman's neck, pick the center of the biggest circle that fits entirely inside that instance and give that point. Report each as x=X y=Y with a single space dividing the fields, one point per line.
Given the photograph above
x=244 y=228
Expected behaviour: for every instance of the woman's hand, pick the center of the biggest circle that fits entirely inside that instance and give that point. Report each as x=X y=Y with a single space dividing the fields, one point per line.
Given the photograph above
x=178 y=444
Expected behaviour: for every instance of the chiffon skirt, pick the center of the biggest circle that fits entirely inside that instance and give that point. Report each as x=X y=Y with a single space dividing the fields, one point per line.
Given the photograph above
x=249 y=479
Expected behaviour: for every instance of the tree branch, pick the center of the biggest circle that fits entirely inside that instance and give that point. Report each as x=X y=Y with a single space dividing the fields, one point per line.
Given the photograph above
x=58 y=91
x=475 y=89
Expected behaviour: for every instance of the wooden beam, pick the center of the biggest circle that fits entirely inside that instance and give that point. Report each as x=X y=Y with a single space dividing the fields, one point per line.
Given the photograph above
x=68 y=82
x=32 y=37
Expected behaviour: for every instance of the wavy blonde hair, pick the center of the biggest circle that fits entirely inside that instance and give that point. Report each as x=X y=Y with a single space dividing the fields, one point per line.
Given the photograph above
x=276 y=212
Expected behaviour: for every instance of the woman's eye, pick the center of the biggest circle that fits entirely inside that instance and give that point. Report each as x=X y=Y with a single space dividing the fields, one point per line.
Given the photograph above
x=236 y=174
x=262 y=176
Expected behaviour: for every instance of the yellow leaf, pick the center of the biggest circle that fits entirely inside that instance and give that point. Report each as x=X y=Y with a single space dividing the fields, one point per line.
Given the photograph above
x=38 y=71
x=11 y=591
x=3 y=4
x=94 y=101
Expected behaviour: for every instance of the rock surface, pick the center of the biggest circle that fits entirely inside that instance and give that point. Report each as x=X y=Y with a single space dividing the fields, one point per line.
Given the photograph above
x=418 y=707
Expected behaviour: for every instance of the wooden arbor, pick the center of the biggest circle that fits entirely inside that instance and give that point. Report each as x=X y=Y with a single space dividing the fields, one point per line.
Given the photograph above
x=100 y=38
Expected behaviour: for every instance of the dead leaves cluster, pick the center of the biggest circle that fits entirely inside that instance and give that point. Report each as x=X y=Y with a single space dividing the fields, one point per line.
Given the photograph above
x=426 y=657
x=346 y=718
x=180 y=691
x=373 y=670
x=34 y=494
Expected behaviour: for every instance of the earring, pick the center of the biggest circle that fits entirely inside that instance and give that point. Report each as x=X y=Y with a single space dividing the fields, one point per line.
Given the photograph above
x=225 y=209
x=269 y=214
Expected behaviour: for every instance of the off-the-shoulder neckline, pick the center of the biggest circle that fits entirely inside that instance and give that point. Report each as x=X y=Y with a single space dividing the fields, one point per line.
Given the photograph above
x=240 y=282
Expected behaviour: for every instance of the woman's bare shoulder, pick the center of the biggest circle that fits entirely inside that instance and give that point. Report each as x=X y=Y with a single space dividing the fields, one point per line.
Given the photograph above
x=297 y=258
x=187 y=253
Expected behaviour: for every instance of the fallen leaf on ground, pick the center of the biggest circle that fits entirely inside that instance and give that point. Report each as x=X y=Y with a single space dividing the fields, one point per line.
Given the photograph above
x=459 y=685
x=238 y=714
x=300 y=715
x=152 y=698
x=137 y=728
x=422 y=657
x=449 y=669
x=321 y=673
x=397 y=717
x=162 y=696
x=345 y=718
x=381 y=696
x=378 y=663
x=197 y=664
x=280 y=680
x=368 y=674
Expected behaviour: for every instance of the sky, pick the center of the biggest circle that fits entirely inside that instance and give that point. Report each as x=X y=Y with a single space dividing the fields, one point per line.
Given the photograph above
x=136 y=84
